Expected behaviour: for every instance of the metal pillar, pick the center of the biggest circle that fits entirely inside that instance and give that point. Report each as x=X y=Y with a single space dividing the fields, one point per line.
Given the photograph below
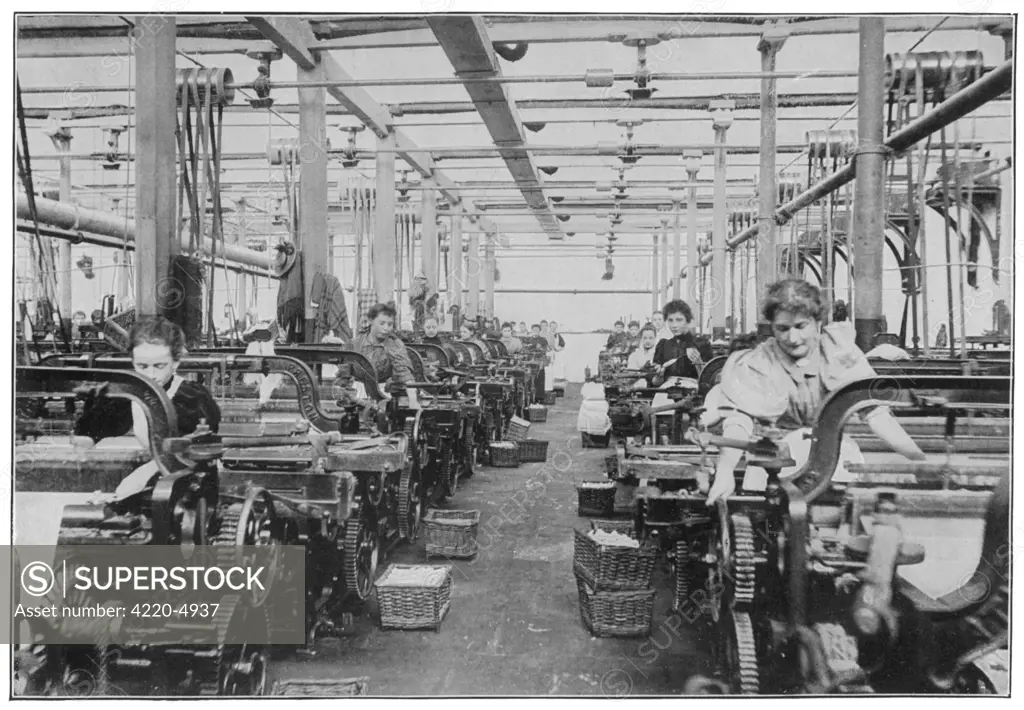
x=869 y=199
x=489 y=276
x=384 y=232
x=156 y=233
x=692 y=159
x=766 y=251
x=721 y=116
x=241 y=280
x=474 y=267
x=61 y=137
x=314 y=148
x=456 y=277
x=676 y=249
x=654 y=274
x=663 y=282
x=428 y=234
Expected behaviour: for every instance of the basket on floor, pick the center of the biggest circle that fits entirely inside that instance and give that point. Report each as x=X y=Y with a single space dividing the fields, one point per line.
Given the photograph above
x=505 y=454
x=451 y=533
x=611 y=464
x=625 y=613
x=596 y=498
x=517 y=429
x=595 y=441
x=612 y=568
x=625 y=527
x=537 y=413
x=533 y=451
x=322 y=688
x=414 y=596
x=550 y=398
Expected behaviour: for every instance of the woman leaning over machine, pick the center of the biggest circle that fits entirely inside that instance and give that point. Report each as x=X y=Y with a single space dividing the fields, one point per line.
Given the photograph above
x=784 y=381
x=157 y=346
x=382 y=347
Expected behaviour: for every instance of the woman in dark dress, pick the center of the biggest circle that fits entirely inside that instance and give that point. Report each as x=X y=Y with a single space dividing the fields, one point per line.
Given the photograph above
x=157 y=346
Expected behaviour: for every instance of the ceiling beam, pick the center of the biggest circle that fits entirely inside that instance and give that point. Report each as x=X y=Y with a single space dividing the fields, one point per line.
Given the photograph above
x=294 y=36
x=465 y=42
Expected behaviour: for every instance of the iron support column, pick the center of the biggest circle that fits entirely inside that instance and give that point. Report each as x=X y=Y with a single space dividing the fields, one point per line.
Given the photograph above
x=384 y=229
x=474 y=267
x=456 y=278
x=721 y=114
x=766 y=251
x=313 y=152
x=61 y=137
x=156 y=229
x=428 y=235
x=869 y=198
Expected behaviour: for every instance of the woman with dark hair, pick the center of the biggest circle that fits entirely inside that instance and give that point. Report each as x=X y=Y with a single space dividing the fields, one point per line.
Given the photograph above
x=681 y=355
x=512 y=344
x=783 y=381
x=382 y=348
x=157 y=346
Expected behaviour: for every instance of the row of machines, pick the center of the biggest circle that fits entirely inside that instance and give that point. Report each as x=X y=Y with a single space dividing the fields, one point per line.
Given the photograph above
x=815 y=586
x=334 y=461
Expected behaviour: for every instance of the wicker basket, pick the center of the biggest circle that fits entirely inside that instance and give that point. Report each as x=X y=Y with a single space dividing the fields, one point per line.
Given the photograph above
x=322 y=688
x=517 y=429
x=625 y=527
x=451 y=533
x=625 y=613
x=533 y=451
x=607 y=568
x=599 y=502
x=550 y=398
x=595 y=441
x=537 y=413
x=504 y=456
x=408 y=606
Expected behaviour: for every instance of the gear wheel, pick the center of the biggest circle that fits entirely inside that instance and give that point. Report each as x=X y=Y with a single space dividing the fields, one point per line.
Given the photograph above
x=449 y=471
x=360 y=558
x=745 y=665
x=410 y=504
x=233 y=669
x=744 y=560
x=251 y=523
x=719 y=572
x=682 y=573
x=468 y=449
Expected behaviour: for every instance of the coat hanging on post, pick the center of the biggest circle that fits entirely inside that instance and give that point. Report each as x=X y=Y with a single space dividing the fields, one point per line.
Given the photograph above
x=328 y=300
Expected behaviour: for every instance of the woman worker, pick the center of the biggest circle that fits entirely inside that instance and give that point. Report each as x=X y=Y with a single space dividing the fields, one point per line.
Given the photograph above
x=382 y=348
x=784 y=380
x=157 y=346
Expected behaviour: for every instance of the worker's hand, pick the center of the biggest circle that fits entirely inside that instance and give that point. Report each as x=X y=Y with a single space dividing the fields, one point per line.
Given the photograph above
x=694 y=356
x=722 y=486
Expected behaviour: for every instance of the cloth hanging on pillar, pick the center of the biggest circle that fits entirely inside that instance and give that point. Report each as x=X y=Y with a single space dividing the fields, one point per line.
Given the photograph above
x=290 y=311
x=418 y=300
x=184 y=303
x=367 y=299
x=328 y=300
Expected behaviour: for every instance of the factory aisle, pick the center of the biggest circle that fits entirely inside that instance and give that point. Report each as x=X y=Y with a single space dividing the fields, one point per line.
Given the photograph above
x=514 y=626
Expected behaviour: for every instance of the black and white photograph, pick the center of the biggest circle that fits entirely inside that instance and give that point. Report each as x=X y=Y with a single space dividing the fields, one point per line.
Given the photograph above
x=497 y=350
